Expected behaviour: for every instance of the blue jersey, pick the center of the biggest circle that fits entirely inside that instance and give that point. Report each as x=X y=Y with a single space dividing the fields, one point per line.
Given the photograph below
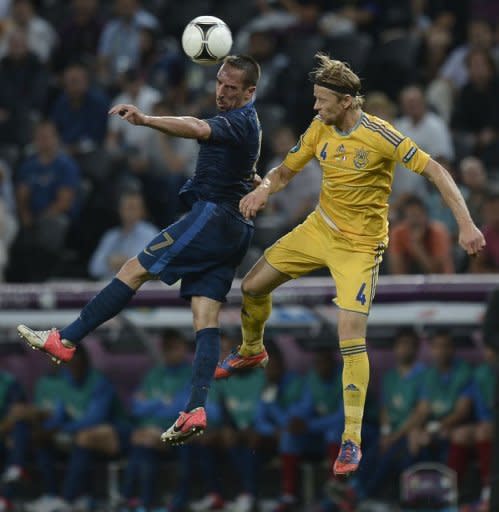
x=227 y=160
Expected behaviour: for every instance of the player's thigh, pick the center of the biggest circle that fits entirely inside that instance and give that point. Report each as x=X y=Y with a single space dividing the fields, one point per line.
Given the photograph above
x=262 y=278
x=204 y=238
x=355 y=275
x=299 y=252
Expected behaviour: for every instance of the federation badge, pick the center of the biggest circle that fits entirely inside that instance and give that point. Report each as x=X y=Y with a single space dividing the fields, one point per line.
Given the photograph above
x=360 y=159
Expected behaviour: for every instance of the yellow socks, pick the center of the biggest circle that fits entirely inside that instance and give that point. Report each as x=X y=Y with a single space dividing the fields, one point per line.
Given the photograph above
x=254 y=313
x=355 y=381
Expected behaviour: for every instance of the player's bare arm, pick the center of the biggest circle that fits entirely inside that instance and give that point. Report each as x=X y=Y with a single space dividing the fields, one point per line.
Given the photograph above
x=181 y=126
x=276 y=179
x=471 y=238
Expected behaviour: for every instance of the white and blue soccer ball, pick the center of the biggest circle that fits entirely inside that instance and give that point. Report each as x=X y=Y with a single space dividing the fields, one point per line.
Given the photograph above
x=206 y=40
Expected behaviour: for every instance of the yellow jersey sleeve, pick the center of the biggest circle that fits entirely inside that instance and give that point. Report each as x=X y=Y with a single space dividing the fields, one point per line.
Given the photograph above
x=408 y=154
x=304 y=150
x=399 y=148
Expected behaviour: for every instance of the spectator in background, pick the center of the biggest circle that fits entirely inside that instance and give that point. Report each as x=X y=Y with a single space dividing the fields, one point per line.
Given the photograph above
x=238 y=399
x=280 y=394
x=80 y=112
x=419 y=245
x=79 y=35
x=122 y=243
x=41 y=35
x=125 y=137
x=401 y=391
x=14 y=437
x=445 y=402
x=23 y=89
x=349 y=16
x=428 y=131
x=378 y=104
x=81 y=423
x=119 y=45
x=455 y=69
x=475 y=186
x=476 y=114
x=488 y=260
x=161 y=395
x=163 y=165
x=8 y=217
x=454 y=72
x=162 y=66
x=47 y=191
x=314 y=422
x=476 y=438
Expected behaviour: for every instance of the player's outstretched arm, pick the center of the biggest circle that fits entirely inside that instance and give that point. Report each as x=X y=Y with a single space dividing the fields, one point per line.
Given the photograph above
x=275 y=180
x=187 y=127
x=471 y=238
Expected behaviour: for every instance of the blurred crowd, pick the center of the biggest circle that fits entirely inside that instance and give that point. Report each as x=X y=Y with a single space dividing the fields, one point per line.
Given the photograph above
x=84 y=192
x=428 y=404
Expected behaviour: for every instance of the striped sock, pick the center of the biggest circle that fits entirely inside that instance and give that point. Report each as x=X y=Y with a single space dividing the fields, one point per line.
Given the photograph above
x=355 y=380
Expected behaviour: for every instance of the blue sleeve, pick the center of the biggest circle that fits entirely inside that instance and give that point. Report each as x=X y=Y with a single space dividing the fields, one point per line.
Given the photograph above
x=143 y=407
x=98 y=409
x=229 y=128
x=158 y=408
x=261 y=422
x=71 y=175
x=324 y=423
x=482 y=411
x=57 y=419
x=213 y=412
x=304 y=407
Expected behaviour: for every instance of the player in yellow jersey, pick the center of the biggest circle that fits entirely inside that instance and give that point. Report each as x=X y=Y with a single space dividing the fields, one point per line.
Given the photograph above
x=347 y=233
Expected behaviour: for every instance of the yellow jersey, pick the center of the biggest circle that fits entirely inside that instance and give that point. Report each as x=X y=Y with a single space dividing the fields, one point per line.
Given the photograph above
x=357 y=169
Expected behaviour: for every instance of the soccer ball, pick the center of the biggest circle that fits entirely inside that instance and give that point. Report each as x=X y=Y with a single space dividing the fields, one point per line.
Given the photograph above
x=206 y=40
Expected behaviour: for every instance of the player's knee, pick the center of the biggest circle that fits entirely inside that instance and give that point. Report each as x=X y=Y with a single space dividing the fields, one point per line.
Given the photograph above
x=133 y=273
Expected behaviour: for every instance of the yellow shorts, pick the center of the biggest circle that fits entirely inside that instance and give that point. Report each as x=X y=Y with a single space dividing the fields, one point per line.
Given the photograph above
x=313 y=245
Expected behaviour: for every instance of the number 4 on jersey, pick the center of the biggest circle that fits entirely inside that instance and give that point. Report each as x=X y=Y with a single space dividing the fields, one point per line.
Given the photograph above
x=360 y=295
x=323 y=151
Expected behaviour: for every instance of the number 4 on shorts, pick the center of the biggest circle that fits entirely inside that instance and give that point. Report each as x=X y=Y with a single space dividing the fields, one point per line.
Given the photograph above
x=360 y=295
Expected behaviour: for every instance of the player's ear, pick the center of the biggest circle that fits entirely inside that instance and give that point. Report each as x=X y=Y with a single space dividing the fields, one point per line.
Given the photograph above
x=251 y=89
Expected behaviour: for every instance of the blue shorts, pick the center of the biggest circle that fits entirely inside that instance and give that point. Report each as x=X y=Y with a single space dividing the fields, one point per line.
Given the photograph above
x=203 y=249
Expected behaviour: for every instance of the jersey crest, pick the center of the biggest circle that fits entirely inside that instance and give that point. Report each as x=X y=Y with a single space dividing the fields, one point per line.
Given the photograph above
x=360 y=159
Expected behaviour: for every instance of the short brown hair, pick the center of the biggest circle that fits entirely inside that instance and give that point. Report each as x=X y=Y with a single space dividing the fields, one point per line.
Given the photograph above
x=247 y=64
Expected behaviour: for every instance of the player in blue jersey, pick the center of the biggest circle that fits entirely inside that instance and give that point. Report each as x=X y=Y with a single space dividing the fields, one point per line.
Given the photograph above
x=203 y=248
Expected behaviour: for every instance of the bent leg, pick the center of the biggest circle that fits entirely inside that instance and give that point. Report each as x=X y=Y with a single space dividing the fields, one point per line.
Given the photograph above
x=108 y=302
x=256 y=290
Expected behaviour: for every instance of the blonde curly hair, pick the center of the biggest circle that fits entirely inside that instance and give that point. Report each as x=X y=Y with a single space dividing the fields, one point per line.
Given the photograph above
x=339 y=77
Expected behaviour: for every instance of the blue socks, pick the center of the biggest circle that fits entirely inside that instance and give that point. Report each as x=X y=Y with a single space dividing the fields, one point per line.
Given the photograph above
x=106 y=304
x=204 y=365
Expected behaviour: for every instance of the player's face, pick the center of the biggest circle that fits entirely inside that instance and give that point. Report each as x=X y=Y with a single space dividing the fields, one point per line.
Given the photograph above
x=231 y=92
x=329 y=105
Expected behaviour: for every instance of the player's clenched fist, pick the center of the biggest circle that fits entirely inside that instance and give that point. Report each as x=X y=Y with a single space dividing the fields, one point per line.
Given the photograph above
x=251 y=203
x=130 y=113
x=471 y=239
